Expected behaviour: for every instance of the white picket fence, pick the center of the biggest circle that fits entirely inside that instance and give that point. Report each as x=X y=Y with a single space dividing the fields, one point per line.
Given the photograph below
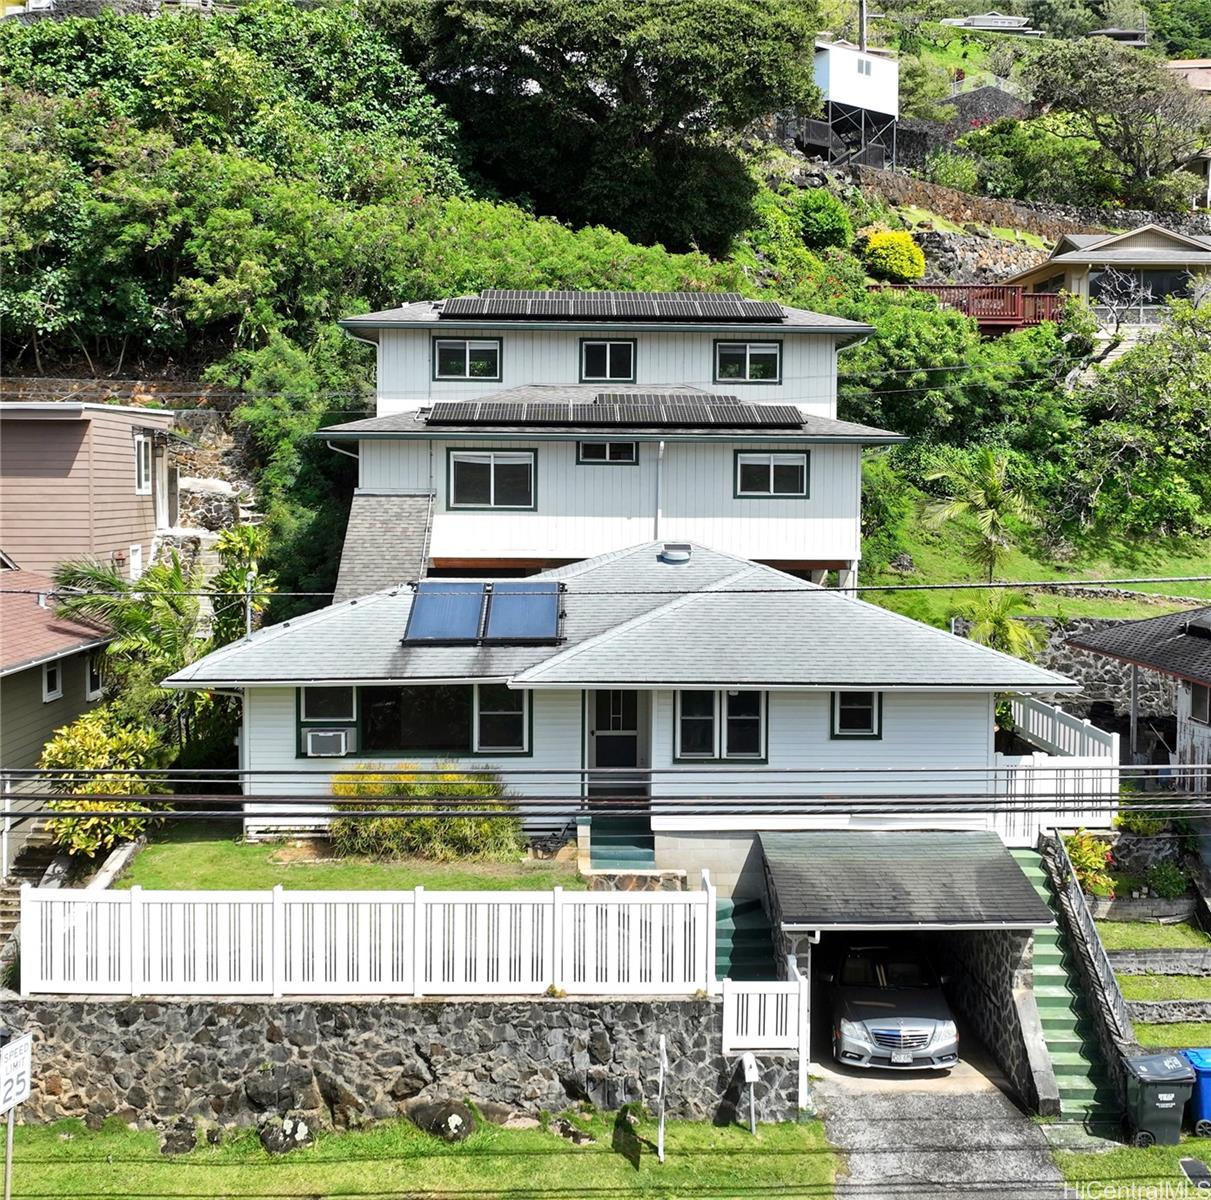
x=1060 y=733
x=418 y=943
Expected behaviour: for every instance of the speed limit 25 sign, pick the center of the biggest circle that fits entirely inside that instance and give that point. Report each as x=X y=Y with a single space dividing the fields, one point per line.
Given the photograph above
x=16 y=1061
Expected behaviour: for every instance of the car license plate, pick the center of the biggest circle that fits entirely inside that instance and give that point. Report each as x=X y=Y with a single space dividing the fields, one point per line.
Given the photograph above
x=901 y=1056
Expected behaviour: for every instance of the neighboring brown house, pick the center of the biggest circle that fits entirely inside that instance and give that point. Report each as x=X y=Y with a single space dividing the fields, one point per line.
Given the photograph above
x=82 y=480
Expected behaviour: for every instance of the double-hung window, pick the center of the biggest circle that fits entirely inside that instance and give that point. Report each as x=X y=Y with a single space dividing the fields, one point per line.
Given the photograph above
x=492 y=479
x=748 y=362
x=614 y=454
x=501 y=719
x=720 y=724
x=857 y=715
x=607 y=362
x=52 y=681
x=142 y=465
x=776 y=474
x=1200 y=703
x=466 y=358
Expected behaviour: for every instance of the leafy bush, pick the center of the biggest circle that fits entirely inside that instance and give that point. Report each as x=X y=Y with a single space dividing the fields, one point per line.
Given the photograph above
x=823 y=219
x=1141 y=824
x=1091 y=859
x=952 y=170
x=441 y=838
x=98 y=741
x=1168 y=880
x=892 y=254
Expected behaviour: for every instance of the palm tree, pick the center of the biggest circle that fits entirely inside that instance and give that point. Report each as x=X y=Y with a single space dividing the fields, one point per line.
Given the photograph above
x=980 y=488
x=995 y=622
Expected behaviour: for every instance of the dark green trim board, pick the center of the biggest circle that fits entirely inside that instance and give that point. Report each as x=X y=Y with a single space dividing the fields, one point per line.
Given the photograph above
x=834 y=703
x=745 y=341
x=597 y=462
x=720 y=732
x=465 y=337
x=634 y=343
x=497 y=508
x=806 y=494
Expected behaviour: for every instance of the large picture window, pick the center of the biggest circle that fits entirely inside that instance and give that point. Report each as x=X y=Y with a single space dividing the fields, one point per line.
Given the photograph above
x=406 y=720
x=491 y=479
x=857 y=715
x=748 y=362
x=777 y=474
x=607 y=362
x=466 y=358
x=720 y=724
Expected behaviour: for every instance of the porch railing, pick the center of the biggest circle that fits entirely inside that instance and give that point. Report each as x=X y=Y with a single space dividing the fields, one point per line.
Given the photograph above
x=418 y=943
x=1058 y=732
x=990 y=303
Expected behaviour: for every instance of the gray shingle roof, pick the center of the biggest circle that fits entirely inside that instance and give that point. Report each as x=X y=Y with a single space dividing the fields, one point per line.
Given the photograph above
x=402 y=424
x=858 y=879
x=1162 y=643
x=630 y=622
x=385 y=543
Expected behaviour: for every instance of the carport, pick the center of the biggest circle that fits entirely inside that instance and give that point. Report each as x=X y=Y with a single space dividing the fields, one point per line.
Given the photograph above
x=962 y=892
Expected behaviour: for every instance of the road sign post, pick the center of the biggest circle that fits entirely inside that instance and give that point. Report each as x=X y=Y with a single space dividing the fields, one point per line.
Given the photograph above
x=16 y=1070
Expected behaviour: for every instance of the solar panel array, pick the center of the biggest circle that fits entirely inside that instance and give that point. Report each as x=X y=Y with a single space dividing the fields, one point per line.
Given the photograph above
x=465 y=613
x=627 y=409
x=611 y=306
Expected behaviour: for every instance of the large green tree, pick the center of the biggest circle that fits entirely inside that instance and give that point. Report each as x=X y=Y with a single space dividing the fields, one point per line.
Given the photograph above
x=612 y=110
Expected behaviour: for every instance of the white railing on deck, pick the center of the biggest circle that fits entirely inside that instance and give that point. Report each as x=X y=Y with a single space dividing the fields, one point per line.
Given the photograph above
x=414 y=943
x=1079 y=792
x=1058 y=732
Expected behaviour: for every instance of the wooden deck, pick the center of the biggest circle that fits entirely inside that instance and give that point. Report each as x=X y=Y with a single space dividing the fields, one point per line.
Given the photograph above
x=996 y=306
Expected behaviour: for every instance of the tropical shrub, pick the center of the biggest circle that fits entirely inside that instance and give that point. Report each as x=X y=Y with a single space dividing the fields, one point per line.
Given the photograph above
x=443 y=837
x=892 y=254
x=823 y=219
x=99 y=741
x=952 y=170
x=1168 y=880
x=1091 y=859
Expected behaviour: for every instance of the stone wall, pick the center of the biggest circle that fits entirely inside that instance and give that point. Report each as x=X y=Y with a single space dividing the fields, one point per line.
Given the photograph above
x=348 y=1062
x=164 y=393
x=972 y=258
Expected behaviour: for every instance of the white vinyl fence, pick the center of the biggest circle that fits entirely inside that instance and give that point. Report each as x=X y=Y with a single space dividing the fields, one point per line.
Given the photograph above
x=416 y=943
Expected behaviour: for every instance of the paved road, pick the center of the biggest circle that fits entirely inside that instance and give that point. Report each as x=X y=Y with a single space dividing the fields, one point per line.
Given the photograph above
x=906 y=1137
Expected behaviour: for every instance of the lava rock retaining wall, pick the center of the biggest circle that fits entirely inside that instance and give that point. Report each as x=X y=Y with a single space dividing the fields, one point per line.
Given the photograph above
x=346 y=1063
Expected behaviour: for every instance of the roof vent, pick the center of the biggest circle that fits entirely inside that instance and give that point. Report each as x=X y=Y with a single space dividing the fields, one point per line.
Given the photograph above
x=1199 y=626
x=675 y=553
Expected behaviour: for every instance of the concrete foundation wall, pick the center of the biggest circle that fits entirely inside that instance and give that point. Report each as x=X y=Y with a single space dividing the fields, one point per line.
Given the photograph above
x=734 y=860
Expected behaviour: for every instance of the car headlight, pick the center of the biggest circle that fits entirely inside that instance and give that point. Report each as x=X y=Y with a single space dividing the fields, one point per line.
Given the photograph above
x=853 y=1030
x=945 y=1031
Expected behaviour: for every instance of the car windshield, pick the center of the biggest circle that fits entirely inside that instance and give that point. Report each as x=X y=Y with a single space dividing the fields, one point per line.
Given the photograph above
x=886 y=971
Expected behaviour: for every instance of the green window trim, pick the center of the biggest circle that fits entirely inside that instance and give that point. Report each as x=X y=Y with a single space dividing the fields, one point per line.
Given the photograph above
x=846 y=736
x=746 y=342
x=602 y=341
x=452 y=452
x=806 y=494
x=581 y=461
x=500 y=359
x=355 y=727
x=719 y=757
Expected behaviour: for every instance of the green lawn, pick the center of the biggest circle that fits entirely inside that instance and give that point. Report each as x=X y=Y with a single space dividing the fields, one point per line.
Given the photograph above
x=202 y=857
x=1148 y=935
x=1134 y=1171
x=1180 y=1035
x=396 y=1160
x=1165 y=987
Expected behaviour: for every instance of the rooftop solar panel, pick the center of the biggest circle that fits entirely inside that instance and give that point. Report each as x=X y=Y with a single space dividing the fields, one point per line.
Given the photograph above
x=445 y=612
x=634 y=409
x=523 y=612
x=611 y=305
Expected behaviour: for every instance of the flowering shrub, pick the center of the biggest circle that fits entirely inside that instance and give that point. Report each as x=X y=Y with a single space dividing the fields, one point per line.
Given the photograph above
x=892 y=254
x=1091 y=859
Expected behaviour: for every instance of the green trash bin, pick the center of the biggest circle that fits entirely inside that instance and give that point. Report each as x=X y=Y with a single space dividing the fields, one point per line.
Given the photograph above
x=1158 y=1087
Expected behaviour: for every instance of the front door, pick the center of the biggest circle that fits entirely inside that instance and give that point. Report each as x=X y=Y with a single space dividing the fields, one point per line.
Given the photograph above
x=617 y=741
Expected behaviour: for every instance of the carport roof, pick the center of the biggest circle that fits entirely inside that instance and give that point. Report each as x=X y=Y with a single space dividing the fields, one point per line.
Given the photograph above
x=903 y=879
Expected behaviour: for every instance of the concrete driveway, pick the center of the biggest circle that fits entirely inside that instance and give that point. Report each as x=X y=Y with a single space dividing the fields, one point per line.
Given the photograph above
x=911 y=1135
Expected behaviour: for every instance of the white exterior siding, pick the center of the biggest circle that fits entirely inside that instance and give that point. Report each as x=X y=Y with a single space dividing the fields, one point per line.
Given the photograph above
x=585 y=510
x=405 y=364
x=1193 y=737
x=839 y=80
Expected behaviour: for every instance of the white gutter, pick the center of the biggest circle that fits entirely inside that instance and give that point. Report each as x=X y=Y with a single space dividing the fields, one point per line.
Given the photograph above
x=54 y=657
x=659 y=491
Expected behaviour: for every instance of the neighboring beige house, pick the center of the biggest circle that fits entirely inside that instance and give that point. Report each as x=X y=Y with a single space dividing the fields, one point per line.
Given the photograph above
x=1161 y=262
x=82 y=480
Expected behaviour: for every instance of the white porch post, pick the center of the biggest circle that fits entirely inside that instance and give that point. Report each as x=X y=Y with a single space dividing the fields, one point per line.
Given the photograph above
x=847 y=578
x=1135 y=711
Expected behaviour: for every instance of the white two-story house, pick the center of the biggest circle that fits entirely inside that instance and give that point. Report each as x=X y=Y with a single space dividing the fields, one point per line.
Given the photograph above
x=518 y=431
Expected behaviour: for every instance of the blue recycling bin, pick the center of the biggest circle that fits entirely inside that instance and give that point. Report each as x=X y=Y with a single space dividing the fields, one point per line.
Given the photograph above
x=1200 y=1097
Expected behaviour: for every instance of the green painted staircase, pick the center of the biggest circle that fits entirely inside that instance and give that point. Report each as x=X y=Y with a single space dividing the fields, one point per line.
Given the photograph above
x=1086 y=1093
x=622 y=844
x=744 y=942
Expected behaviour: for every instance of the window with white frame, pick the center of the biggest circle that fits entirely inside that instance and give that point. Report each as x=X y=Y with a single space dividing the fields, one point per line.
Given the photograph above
x=864 y=66
x=491 y=479
x=142 y=464
x=608 y=453
x=1200 y=703
x=94 y=679
x=748 y=362
x=773 y=474
x=52 y=681
x=857 y=715
x=466 y=358
x=501 y=719
x=607 y=362
x=720 y=724
x=135 y=562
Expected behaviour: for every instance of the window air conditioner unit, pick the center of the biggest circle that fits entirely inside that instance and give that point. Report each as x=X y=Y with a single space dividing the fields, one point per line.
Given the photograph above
x=326 y=743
